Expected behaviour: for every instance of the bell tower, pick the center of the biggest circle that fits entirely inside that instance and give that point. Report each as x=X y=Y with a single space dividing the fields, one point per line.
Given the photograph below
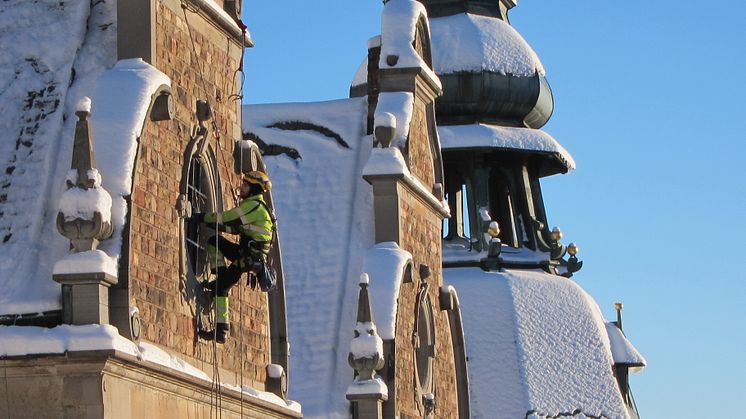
x=495 y=100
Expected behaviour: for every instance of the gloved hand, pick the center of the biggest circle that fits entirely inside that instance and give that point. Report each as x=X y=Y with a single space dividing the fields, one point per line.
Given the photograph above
x=198 y=217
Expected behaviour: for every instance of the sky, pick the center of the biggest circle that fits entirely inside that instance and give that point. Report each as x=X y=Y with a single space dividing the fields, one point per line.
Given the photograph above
x=648 y=99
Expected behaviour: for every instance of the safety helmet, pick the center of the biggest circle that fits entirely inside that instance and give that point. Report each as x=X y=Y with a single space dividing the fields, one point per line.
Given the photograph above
x=257 y=177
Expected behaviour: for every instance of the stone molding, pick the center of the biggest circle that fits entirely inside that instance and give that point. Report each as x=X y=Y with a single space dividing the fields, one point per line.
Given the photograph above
x=116 y=384
x=229 y=26
x=414 y=187
x=413 y=79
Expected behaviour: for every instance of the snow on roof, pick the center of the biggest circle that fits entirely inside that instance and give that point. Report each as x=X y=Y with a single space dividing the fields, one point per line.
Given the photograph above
x=28 y=340
x=622 y=350
x=466 y=42
x=43 y=47
x=385 y=264
x=398 y=28
x=43 y=43
x=324 y=212
x=539 y=339
x=492 y=136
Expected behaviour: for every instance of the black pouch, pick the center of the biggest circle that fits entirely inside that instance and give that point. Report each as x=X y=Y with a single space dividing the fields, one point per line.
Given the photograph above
x=265 y=276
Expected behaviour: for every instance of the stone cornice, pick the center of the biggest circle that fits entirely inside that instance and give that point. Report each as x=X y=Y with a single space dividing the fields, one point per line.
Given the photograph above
x=412 y=79
x=126 y=367
x=413 y=186
x=209 y=9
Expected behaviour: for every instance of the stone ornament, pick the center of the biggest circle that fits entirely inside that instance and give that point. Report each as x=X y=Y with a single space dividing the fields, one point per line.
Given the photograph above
x=84 y=215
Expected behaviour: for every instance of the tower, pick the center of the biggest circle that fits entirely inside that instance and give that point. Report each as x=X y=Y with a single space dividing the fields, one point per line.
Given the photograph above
x=508 y=267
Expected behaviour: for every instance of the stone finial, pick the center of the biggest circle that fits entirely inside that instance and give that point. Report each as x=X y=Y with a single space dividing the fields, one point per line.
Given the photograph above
x=366 y=350
x=85 y=208
x=385 y=129
x=84 y=217
x=367 y=391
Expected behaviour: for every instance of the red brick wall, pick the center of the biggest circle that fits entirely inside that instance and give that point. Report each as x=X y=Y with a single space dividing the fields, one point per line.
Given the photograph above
x=420 y=158
x=421 y=236
x=154 y=273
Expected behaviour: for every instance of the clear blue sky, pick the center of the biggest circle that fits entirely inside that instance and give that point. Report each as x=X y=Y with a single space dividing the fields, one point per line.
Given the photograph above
x=649 y=100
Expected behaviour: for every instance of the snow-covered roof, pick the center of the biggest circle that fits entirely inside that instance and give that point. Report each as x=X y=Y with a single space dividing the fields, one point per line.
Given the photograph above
x=53 y=55
x=324 y=210
x=622 y=350
x=509 y=138
x=466 y=42
x=535 y=342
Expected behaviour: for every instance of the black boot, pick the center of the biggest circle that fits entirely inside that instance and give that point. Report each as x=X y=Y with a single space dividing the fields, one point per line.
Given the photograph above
x=219 y=334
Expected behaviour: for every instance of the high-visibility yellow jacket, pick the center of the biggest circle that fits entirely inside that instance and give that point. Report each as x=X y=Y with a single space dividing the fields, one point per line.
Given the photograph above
x=250 y=219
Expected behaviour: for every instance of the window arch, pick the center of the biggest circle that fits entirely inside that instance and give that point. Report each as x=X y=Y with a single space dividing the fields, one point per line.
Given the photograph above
x=200 y=192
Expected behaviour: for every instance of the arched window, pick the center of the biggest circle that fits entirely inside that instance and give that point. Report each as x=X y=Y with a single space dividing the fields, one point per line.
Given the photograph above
x=201 y=190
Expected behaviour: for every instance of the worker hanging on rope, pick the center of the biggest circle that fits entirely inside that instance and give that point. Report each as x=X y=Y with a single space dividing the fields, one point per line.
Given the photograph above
x=253 y=222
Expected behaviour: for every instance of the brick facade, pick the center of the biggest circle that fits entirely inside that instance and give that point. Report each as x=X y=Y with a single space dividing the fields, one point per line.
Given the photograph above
x=201 y=61
x=419 y=155
x=421 y=237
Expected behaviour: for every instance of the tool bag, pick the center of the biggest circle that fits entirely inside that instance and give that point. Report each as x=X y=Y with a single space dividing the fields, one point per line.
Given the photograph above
x=265 y=276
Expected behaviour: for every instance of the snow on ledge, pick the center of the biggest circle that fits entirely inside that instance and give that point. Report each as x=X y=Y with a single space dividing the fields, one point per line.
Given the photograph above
x=91 y=261
x=622 y=350
x=385 y=264
x=30 y=340
x=385 y=161
x=491 y=136
x=368 y=387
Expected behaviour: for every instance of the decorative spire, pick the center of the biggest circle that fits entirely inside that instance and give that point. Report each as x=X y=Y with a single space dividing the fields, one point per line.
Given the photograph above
x=84 y=217
x=366 y=349
x=84 y=214
x=367 y=391
x=84 y=158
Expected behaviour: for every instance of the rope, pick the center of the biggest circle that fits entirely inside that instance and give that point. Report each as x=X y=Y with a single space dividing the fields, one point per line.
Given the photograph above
x=234 y=97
